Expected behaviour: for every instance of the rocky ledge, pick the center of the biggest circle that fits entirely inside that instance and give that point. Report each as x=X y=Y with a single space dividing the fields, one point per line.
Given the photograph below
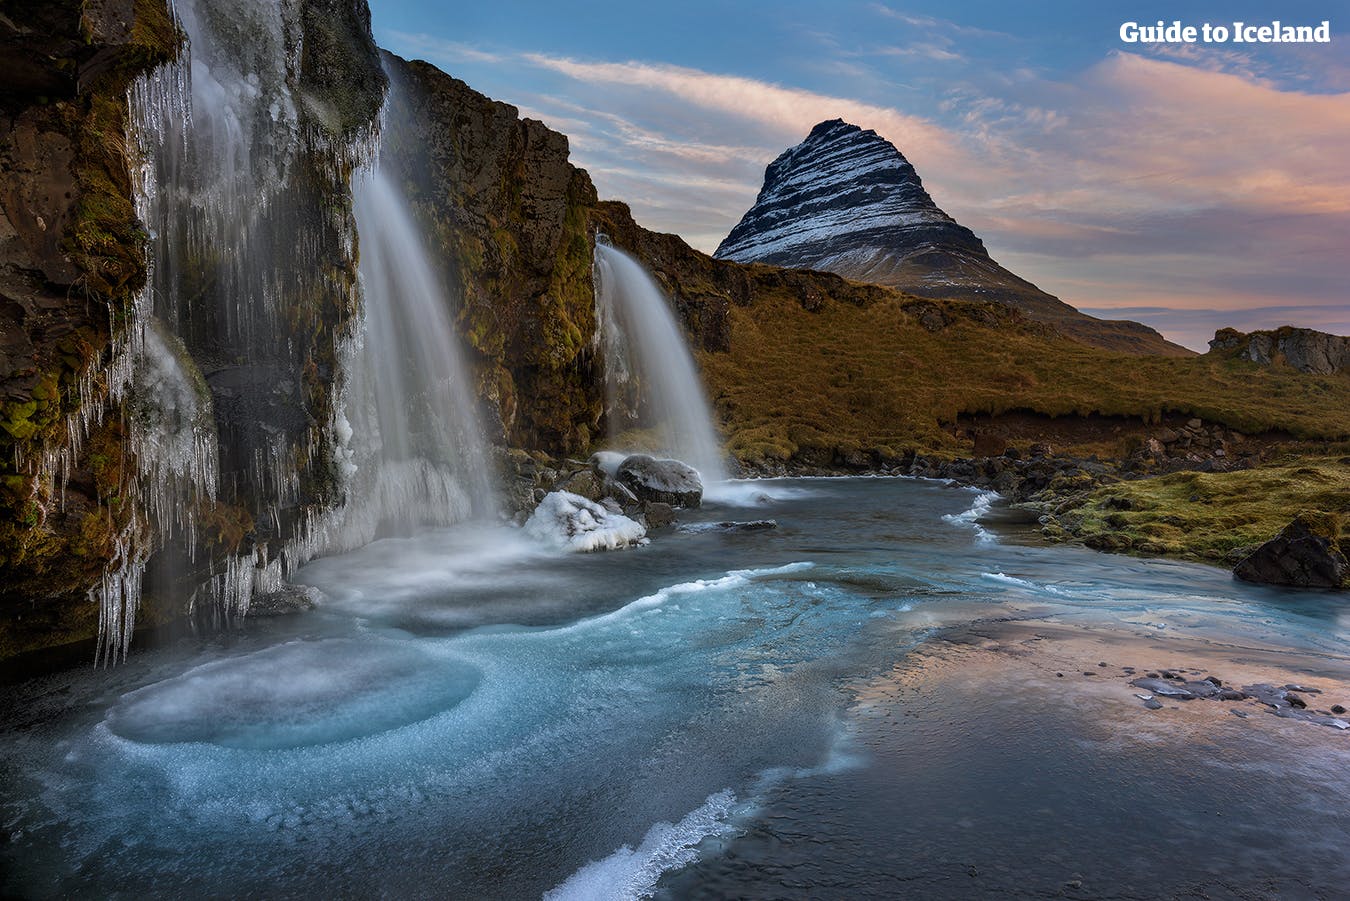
x=1305 y=349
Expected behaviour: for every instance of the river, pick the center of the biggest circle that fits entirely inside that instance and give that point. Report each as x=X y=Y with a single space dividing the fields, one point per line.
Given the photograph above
x=880 y=697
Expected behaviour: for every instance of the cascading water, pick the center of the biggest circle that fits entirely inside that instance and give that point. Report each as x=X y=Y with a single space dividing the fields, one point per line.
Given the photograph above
x=648 y=363
x=419 y=453
x=224 y=368
x=253 y=282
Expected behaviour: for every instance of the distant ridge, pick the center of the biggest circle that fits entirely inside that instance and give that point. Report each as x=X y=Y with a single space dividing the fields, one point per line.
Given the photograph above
x=847 y=201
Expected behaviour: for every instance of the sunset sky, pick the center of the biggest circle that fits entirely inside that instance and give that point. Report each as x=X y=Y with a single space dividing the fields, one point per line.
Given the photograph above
x=1186 y=187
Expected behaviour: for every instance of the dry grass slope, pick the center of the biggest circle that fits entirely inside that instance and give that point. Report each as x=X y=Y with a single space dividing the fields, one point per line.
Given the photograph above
x=870 y=376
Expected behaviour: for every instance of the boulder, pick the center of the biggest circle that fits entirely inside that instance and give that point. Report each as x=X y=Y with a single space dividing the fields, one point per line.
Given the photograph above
x=587 y=483
x=658 y=514
x=666 y=481
x=294 y=599
x=1306 y=554
x=606 y=463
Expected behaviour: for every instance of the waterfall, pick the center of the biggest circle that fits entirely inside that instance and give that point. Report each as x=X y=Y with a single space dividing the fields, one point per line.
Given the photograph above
x=649 y=367
x=249 y=385
x=419 y=455
x=224 y=367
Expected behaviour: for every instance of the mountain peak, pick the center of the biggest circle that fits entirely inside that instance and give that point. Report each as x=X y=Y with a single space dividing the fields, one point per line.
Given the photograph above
x=845 y=200
x=840 y=189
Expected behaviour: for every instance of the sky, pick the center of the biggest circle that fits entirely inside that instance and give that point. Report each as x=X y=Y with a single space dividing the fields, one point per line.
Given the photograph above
x=1186 y=186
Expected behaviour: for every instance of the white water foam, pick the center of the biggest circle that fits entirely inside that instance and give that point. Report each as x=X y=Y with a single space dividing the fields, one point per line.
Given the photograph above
x=972 y=516
x=730 y=580
x=632 y=873
x=1024 y=583
x=748 y=493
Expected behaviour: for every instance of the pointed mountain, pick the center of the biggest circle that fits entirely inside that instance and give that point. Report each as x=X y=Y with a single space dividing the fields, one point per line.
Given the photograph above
x=847 y=201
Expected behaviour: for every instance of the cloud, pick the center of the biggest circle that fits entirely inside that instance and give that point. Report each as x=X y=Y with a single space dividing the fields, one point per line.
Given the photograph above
x=440 y=50
x=935 y=24
x=1140 y=180
x=787 y=110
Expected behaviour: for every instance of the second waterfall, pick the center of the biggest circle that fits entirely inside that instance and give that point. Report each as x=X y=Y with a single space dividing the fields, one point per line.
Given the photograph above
x=651 y=372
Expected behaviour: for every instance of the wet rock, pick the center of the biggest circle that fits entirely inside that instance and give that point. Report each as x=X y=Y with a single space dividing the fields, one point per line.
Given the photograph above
x=1306 y=554
x=666 y=481
x=587 y=483
x=754 y=525
x=658 y=514
x=1165 y=689
x=296 y=599
x=606 y=463
x=574 y=523
x=1153 y=704
x=1337 y=708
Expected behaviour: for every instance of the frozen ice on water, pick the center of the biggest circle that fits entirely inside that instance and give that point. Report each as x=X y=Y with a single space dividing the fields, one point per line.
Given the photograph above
x=632 y=873
x=572 y=522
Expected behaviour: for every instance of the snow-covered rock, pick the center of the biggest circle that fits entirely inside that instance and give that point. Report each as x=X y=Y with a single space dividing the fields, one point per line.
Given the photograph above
x=571 y=522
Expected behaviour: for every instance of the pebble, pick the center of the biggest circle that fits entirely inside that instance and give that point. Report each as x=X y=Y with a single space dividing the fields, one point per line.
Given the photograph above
x=1153 y=704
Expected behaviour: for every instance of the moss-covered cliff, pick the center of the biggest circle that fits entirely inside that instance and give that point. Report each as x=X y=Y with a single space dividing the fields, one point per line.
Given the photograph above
x=508 y=215
x=73 y=266
x=72 y=258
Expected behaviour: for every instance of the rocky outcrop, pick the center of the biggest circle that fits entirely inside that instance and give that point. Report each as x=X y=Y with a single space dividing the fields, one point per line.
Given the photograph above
x=847 y=201
x=1305 y=349
x=1310 y=552
x=573 y=523
x=508 y=213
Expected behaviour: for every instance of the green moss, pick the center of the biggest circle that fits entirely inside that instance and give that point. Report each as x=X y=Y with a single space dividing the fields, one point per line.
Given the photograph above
x=1218 y=516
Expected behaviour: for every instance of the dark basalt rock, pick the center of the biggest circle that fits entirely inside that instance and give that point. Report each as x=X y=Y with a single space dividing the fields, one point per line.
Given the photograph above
x=296 y=599
x=754 y=525
x=664 y=481
x=1306 y=554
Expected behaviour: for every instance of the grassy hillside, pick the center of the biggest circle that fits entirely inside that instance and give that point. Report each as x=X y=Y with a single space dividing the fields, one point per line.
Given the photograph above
x=896 y=372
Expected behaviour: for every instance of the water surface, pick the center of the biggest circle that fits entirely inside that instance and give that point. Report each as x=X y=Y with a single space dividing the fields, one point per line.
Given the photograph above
x=862 y=702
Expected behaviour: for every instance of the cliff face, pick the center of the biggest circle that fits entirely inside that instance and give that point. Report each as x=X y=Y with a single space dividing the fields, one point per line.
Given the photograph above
x=91 y=355
x=1305 y=349
x=72 y=258
x=507 y=213
x=847 y=201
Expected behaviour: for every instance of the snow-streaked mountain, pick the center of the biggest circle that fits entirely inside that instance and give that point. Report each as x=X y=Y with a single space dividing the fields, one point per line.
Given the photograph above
x=847 y=201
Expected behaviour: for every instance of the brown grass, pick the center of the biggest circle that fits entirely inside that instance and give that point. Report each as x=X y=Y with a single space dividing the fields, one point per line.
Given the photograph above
x=869 y=377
